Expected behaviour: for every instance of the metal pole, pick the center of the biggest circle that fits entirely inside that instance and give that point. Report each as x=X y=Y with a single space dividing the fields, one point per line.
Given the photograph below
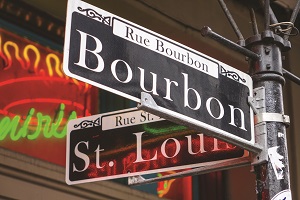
x=272 y=177
x=272 y=172
x=267 y=14
x=291 y=76
x=207 y=32
x=253 y=21
x=232 y=22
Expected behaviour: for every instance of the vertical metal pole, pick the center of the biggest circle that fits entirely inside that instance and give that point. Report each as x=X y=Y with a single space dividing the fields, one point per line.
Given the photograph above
x=253 y=21
x=272 y=177
x=267 y=14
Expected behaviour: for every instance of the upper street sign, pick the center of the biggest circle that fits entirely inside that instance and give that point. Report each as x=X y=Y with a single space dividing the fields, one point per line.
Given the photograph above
x=189 y=87
x=133 y=142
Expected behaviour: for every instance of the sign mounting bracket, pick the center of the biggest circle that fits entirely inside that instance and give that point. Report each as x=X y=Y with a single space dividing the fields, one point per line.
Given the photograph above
x=258 y=104
x=148 y=104
x=220 y=165
x=272 y=117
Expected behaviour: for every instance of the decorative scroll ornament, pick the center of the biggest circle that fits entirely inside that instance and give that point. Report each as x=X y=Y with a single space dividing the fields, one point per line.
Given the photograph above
x=230 y=74
x=93 y=14
x=88 y=123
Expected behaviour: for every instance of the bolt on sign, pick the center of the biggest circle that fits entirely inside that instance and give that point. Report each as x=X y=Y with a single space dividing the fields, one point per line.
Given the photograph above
x=134 y=142
x=119 y=56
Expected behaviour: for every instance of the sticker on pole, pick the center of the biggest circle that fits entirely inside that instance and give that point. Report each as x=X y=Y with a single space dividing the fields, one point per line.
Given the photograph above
x=283 y=195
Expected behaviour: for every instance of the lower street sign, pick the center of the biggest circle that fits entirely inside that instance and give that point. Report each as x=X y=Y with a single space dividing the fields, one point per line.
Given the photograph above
x=133 y=142
x=119 y=56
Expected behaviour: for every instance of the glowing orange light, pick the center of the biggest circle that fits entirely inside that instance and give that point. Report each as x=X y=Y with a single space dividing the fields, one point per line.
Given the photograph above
x=52 y=63
x=37 y=54
x=17 y=54
x=163 y=187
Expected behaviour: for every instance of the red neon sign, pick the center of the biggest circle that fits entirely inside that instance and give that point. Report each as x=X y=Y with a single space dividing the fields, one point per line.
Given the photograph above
x=37 y=99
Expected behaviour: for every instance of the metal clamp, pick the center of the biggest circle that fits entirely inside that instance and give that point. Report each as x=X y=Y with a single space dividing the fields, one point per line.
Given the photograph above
x=272 y=117
x=257 y=103
x=148 y=104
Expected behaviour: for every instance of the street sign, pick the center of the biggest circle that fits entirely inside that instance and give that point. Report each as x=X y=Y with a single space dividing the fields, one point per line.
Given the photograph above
x=133 y=142
x=187 y=86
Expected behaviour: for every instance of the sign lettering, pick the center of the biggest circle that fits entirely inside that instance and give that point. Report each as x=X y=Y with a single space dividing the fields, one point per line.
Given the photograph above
x=127 y=59
x=134 y=143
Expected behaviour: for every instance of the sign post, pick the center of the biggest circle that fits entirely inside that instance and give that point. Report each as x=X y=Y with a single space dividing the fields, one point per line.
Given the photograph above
x=133 y=142
x=272 y=177
x=186 y=86
x=275 y=172
x=271 y=165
